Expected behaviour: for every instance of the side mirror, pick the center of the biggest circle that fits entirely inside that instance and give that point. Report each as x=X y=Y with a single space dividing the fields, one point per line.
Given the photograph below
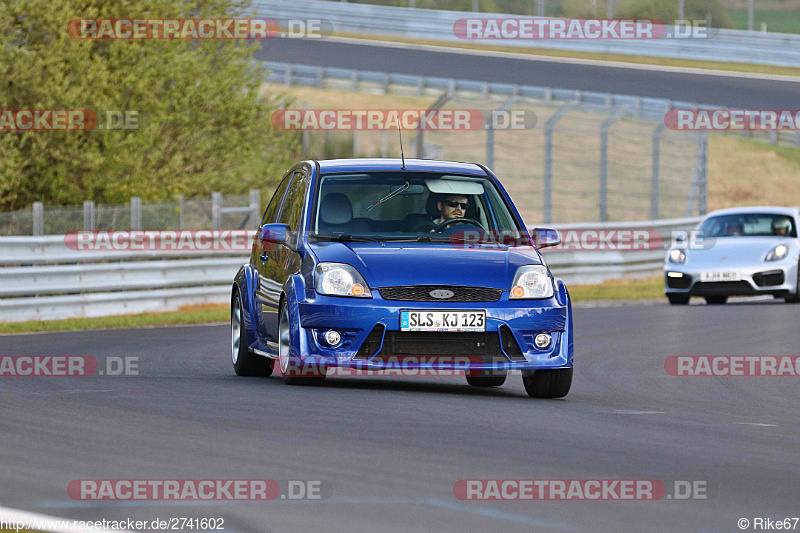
x=679 y=237
x=546 y=237
x=272 y=234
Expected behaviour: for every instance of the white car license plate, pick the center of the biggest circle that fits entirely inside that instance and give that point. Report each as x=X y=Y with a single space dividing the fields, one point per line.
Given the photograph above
x=442 y=320
x=720 y=276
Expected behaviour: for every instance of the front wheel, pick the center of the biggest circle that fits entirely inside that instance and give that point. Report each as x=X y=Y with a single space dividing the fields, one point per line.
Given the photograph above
x=795 y=298
x=289 y=366
x=245 y=362
x=677 y=298
x=550 y=383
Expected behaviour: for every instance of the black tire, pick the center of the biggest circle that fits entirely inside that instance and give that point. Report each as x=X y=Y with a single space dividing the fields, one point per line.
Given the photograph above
x=677 y=298
x=487 y=381
x=794 y=298
x=716 y=300
x=547 y=383
x=292 y=371
x=245 y=362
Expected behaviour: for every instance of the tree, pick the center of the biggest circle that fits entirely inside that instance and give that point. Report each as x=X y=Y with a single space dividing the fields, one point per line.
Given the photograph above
x=204 y=125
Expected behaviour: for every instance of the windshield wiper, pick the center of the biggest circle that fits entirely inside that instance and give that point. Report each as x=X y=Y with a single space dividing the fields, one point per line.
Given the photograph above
x=389 y=196
x=344 y=237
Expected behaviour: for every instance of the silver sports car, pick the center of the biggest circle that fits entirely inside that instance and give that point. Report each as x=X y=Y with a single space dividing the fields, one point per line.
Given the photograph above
x=736 y=252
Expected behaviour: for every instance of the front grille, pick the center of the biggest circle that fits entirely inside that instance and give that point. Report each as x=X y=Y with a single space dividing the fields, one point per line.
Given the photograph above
x=679 y=283
x=722 y=288
x=767 y=279
x=478 y=347
x=371 y=343
x=509 y=344
x=421 y=293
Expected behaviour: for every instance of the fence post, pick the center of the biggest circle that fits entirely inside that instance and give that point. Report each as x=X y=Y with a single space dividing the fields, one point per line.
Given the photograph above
x=604 y=130
x=180 y=211
x=355 y=143
x=216 y=210
x=321 y=77
x=702 y=201
x=289 y=74
x=385 y=143
x=655 y=178
x=38 y=219
x=136 y=212
x=548 y=160
x=255 y=207
x=489 y=143
x=88 y=215
x=420 y=132
x=539 y=8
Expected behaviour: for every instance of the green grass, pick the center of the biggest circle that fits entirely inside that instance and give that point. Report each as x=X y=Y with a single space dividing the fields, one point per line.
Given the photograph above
x=201 y=315
x=628 y=289
x=778 y=20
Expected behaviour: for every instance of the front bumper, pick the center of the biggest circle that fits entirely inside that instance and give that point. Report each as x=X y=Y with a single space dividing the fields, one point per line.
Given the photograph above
x=778 y=279
x=511 y=326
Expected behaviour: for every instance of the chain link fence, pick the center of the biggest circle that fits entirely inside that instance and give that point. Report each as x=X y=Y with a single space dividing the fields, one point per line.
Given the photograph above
x=217 y=212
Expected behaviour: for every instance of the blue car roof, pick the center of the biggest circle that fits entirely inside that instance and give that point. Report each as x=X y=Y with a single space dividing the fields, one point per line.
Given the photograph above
x=394 y=165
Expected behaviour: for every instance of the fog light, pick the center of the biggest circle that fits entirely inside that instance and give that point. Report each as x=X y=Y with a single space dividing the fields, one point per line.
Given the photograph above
x=674 y=274
x=542 y=341
x=333 y=337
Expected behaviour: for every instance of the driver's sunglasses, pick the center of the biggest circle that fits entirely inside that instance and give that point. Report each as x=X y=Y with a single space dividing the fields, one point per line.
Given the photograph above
x=453 y=203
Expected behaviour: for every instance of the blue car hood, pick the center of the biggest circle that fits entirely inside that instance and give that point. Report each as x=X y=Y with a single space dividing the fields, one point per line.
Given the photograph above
x=391 y=264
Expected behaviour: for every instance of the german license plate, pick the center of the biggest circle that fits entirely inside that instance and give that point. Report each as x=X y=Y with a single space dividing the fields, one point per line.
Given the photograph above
x=720 y=276
x=442 y=320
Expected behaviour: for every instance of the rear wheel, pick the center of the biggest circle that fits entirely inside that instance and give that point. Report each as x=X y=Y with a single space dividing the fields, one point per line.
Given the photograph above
x=716 y=300
x=490 y=380
x=677 y=299
x=290 y=368
x=553 y=383
x=245 y=362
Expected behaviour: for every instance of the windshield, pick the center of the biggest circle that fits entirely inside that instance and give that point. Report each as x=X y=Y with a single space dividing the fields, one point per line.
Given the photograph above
x=749 y=225
x=412 y=206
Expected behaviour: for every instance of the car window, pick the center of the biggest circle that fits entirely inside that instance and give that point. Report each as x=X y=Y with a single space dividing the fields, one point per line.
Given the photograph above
x=749 y=225
x=295 y=199
x=272 y=209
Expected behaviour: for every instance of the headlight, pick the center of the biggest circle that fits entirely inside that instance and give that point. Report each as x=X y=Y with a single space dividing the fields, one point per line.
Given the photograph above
x=531 y=282
x=777 y=253
x=339 y=279
x=677 y=256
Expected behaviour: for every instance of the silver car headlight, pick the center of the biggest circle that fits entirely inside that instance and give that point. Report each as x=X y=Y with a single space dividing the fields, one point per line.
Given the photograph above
x=531 y=281
x=777 y=253
x=339 y=279
x=677 y=256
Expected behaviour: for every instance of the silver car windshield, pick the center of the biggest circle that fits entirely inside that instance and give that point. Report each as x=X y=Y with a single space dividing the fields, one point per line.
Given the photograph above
x=749 y=225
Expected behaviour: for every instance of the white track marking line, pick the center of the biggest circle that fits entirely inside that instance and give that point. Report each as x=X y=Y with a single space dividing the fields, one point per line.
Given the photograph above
x=557 y=59
x=634 y=412
x=757 y=424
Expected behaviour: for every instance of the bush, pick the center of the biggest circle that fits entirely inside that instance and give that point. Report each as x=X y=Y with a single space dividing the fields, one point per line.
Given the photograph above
x=206 y=126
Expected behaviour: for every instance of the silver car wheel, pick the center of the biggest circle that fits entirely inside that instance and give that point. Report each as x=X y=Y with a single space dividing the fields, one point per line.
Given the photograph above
x=284 y=339
x=236 y=321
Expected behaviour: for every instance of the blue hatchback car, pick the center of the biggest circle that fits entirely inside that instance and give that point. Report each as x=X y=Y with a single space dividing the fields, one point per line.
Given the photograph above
x=375 y=264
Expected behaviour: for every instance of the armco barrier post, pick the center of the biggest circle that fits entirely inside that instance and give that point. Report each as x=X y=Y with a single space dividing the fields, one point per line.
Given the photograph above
x=38 y=219
x=136 y=212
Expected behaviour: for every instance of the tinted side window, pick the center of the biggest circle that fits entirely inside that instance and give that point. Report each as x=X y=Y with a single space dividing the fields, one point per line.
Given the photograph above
x=295 y=198
x=275 y=203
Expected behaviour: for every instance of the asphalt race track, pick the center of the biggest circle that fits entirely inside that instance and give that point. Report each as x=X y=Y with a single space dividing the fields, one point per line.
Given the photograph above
x=392 y=449
x=731 y=91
